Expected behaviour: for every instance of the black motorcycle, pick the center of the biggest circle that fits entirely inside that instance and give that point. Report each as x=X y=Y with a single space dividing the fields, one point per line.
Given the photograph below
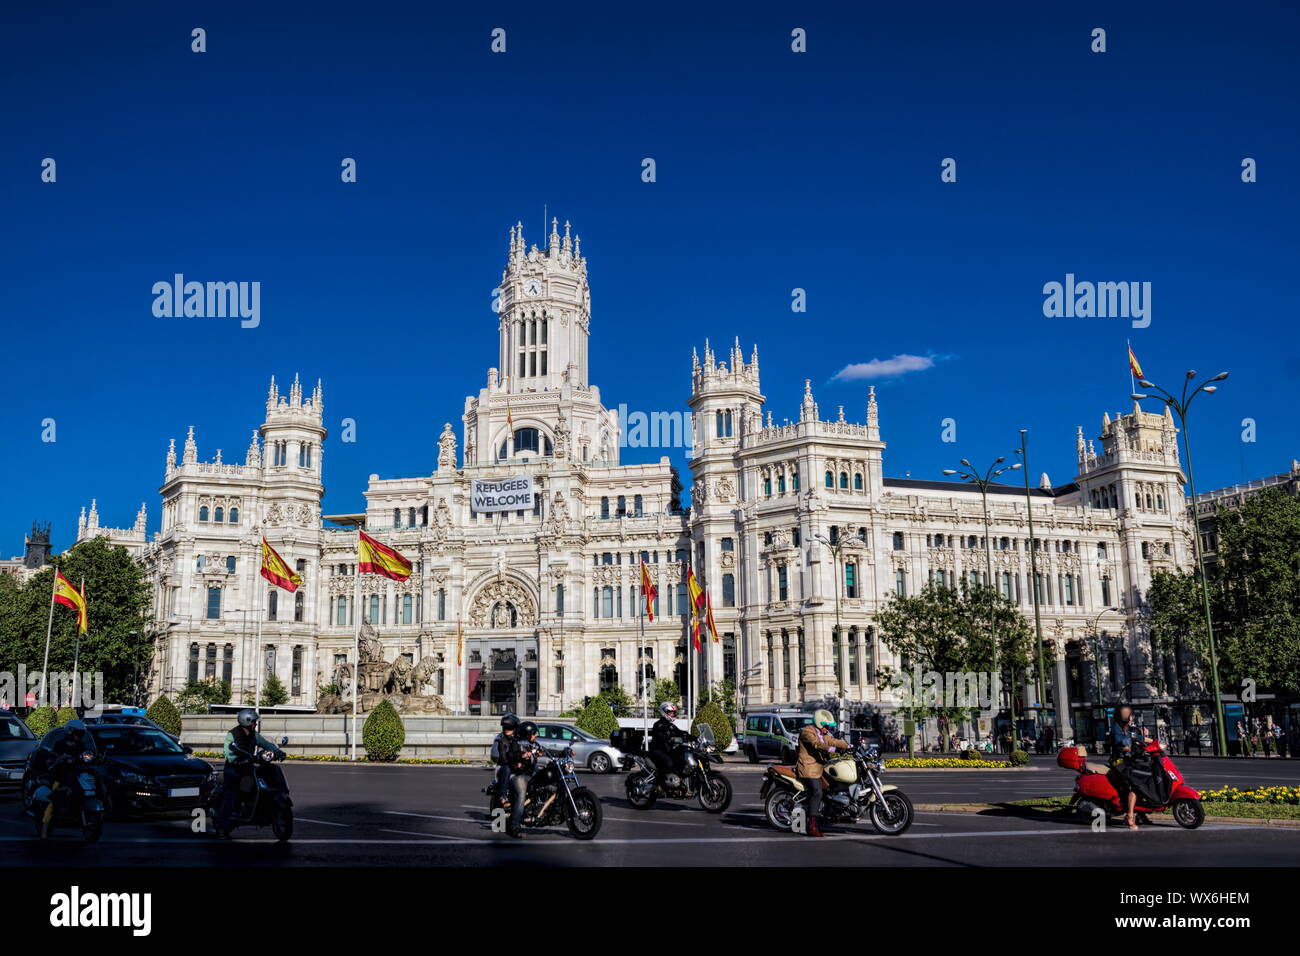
x=263 y=798
x=69 y=793
x=645 y=784
x=553 y=797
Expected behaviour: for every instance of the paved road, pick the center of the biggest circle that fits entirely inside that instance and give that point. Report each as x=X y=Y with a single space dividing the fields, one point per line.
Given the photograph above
x=380 y=816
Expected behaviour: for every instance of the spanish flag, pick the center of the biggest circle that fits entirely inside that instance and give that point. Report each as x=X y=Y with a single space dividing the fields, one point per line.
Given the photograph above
x=65 y=593
x=376 y=558
x=649 y=592
x=697 y=606
x=276 y=571
x=1133 y=365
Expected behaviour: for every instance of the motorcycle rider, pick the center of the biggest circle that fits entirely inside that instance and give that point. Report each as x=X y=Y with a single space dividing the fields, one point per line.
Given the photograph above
x=500 y=746
x=240 y=749
x=69 y=741
x=816 y=743
x=521 y=760
x=664 y=738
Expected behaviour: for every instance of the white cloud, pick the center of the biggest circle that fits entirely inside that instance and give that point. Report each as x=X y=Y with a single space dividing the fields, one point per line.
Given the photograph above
x=884 y=368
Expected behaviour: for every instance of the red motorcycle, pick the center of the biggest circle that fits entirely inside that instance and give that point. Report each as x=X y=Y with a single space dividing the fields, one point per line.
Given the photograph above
x=1093 y=789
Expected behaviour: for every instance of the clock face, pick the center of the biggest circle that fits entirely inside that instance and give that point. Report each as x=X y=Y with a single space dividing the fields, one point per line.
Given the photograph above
x=533 y=287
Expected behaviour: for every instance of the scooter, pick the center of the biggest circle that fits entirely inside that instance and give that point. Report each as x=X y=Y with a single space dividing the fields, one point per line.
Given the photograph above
x=264 y=798
x=70 y=794
x=1094 y=791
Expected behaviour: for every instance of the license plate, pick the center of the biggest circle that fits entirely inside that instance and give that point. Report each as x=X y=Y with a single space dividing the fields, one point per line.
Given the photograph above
x=13 y=775
x=183 y=792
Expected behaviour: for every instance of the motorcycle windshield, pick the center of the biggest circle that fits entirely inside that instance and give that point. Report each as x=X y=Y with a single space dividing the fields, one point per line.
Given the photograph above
x=706 y=736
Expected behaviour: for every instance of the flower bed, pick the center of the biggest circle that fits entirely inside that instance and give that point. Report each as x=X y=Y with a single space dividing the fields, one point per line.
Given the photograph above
x=1257 y=795
x=335 y=758
x=944 y=763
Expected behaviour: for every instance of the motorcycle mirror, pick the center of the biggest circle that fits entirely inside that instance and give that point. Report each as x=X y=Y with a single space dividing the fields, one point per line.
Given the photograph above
x=283 y=741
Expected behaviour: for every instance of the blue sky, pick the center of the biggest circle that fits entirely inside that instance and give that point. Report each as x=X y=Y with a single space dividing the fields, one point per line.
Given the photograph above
x=775 y=171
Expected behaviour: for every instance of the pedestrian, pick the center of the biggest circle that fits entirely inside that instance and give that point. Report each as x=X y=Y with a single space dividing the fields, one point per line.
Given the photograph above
x=1280 y=739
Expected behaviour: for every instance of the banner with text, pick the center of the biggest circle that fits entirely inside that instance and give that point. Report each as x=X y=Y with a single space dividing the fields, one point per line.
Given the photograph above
x=504 y=494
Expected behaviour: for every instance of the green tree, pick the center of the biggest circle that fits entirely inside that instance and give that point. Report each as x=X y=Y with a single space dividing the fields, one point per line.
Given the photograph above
x=946 y=630
x=117 y=598
x=719 y=722
x=41 y=721
x=664 y=691
x=597 y=718
x=619 y=701
x=723 y=693
x=198 y=696
x=273 y=692
x=383 y=733
x=164 y=713
x=63 y=715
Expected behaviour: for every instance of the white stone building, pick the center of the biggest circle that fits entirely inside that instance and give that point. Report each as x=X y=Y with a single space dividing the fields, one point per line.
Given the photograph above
x=547 y=600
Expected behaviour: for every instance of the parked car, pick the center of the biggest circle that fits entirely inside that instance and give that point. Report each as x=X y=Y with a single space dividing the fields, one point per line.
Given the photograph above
x=594 y=753
x=120 y=717
x=16 y=744
x=773 y=733
x=145 y=770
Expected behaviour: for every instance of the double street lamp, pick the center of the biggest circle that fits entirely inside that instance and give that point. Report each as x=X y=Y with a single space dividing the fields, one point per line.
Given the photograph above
x=1094 y=639
x=983 y=482
x=1180 y=406
x=836 y=547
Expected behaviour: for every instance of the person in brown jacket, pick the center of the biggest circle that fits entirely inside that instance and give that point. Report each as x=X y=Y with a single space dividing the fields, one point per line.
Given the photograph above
x=816 y=744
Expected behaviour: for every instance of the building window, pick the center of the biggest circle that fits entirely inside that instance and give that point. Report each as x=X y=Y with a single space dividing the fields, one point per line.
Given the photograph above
x=900 y=583
x=299 y=606
x=194 y=662
x=272 y=603
x=373 y=616
x=844 y=480
x=857 y=482
x=850 y=580
x=830 y=480
x=638 y=505
x=1105 y=591
x=604 y=507
x=230 y=564
x=295 y=675
x=442 y=604
x=728 y=590
x=210 y=662
x=227 y=662
x=234 y=516
x=342 y=612
x=898 y=541
x=214 y=604
x=782 y=584
x=794 y=479
x=767 y=487
x=408 y=609
x=203 y=513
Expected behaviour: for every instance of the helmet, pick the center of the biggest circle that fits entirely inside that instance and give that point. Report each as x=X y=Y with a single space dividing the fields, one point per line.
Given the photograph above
x=509 y=722
x=824 y=718
x=668 y=710
x=247 y=717
x=75 y=728
x=527 y=729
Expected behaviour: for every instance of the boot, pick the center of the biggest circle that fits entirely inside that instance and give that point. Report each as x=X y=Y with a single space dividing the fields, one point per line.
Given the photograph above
x=813 y=829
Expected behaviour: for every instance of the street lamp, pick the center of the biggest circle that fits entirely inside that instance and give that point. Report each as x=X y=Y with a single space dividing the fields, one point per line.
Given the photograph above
x=1023 y=452
x=1094 y=639
x=836 y=546
x=983 y=483
x=1180 y=405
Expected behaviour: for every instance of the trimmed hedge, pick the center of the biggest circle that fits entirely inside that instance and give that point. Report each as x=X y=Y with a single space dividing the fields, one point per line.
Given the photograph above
x=712 y=715
x=383 y=734
x=1019 y=758
x=597 y=719
x=63 y=715
x=164 y=713
x=41 y=721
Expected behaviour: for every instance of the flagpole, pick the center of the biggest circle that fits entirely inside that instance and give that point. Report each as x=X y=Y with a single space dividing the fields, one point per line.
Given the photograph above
x=257 y=649
x=49 y=625
x=356 y=652
x=1128 y=360
x=645 y=691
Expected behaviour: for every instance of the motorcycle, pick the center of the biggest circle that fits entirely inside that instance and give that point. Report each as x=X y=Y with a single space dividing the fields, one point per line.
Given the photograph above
x=69 y=793
x=851 y=788
x=263 y=799
x=1093 y=789
x=645 y=784
x=553 y=796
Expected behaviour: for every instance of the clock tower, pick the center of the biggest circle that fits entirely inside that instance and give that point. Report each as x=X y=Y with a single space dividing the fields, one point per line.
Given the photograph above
x=538 y=402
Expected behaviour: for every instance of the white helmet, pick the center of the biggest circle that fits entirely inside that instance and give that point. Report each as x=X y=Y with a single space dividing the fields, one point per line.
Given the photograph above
x=668 y=710
x=247 y=717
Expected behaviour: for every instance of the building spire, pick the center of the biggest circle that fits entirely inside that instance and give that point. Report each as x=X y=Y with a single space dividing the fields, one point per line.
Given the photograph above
x=295 y=392
x=171 y=454
x=141 y=518
x=191 y=454
x=873 y=415
x=253 y=457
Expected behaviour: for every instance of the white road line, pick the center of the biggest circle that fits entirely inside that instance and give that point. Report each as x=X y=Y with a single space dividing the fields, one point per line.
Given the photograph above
x=432 y=816
x=322 y=822
x=664 y=823
x=437 y=836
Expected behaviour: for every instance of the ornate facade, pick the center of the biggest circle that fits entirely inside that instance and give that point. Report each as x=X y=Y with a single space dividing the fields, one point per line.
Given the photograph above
x=546 y=600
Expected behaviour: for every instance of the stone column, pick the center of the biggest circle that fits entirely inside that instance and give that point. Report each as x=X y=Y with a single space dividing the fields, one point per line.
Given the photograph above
x=1061 y=695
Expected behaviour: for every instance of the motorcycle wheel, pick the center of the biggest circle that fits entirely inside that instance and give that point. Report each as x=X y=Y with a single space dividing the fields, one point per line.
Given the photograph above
x=282 y=824
x=895 y=816
x=1189 y=814
x=715 y=796
x=641 y=799
x=92 y=826
x=585 y=824
x=778 y=807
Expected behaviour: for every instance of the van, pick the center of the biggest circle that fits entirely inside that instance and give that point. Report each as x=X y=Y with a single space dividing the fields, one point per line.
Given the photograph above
x=773 y=733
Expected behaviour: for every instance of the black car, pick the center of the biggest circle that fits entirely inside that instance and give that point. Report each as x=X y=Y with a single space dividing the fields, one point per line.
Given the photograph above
x=134 y=720
x=16 y=745
x=147 y=771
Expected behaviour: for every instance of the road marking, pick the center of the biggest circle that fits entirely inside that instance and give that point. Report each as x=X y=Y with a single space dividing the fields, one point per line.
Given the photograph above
x=322 y=822
x=432 y=816
x=664 y=823
x=437 y=836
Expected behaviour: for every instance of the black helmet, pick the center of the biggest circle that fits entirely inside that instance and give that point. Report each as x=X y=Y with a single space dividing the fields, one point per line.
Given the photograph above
x=76 y=728
x=527 y=729
x=509 y=722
